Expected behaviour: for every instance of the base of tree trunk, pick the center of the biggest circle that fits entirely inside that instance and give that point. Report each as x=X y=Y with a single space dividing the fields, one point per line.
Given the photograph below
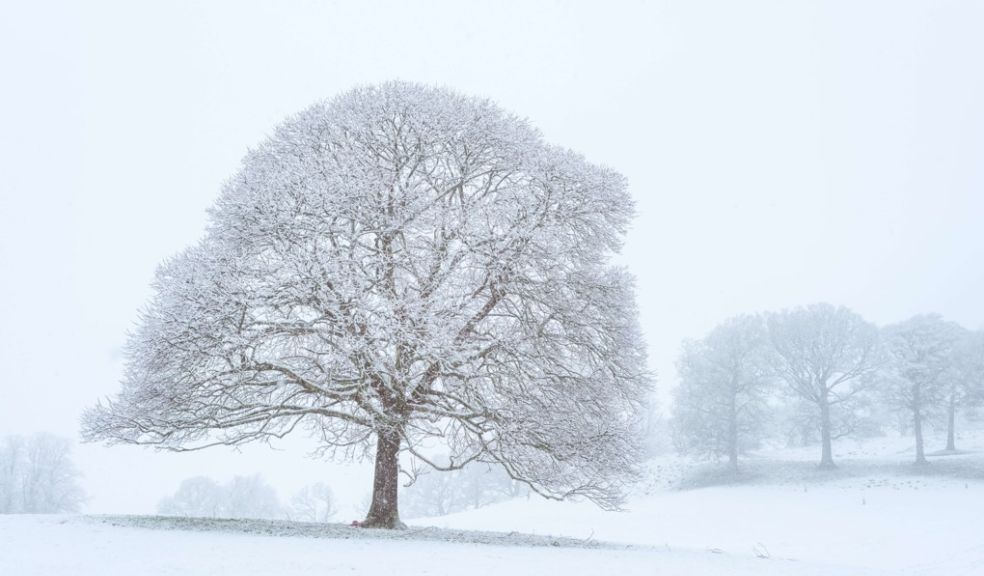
x=391 y=524
x=827 y=465
x=919 y=463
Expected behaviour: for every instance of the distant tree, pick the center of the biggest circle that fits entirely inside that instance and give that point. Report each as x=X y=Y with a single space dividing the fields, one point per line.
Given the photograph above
x=313 y=503
x=196 y=497
x=37 y=476
x=826 y=356
x=11 y=462
x=251 y=497
x=921 y=350
x=430 y=495
x=964 y=380
x=241 y=497
x=656 y=430
x=720 y=405
x=797 y=422
x=473 y=486
x=398 y=265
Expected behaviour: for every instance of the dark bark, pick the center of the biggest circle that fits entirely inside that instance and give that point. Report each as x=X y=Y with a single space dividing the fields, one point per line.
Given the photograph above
x=951 y=440
x=826 y=450
x=384 y=512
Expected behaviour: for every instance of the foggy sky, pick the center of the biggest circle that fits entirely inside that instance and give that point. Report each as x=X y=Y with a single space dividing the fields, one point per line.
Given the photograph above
x=780 y=153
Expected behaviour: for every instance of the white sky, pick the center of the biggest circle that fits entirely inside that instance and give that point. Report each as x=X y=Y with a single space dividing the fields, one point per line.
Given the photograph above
x=780 y=153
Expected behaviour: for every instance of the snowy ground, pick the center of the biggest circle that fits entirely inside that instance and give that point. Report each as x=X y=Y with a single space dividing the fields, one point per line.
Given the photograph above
x=875 y=515
x=898 y=527
x=80 y=546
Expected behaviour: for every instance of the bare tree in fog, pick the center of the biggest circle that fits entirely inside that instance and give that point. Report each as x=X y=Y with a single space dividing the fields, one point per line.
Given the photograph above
x=473 y=486
x=196 y=497
x=720 y=401
x=964 y=380
x=37 y=476
x=825 y=355
x=241 y=497
x=313 y=503
x=251 y=497
x=921 y=349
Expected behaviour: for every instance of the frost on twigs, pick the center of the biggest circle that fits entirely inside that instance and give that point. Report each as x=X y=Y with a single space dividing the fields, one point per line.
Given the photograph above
x=400 y=264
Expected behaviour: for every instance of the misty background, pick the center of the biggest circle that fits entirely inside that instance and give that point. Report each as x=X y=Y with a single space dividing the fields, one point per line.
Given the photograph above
x=779 y=154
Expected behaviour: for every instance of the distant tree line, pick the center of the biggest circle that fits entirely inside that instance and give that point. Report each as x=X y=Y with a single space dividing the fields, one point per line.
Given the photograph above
x=473 y=486
x=827 y=371
x=247 y=497
x=37 y=476
x=429 y=494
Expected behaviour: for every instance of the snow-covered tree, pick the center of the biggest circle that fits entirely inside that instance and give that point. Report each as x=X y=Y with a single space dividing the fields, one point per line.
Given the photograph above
x=37 y=476
x=397 y=265
x=826 y=356
x=964 y=380
x=720 y=402
x=313 y=503
x=921 y=349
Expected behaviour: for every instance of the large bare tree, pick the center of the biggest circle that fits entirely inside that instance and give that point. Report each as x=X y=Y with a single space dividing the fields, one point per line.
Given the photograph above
x=825 y=354
x=397 y=265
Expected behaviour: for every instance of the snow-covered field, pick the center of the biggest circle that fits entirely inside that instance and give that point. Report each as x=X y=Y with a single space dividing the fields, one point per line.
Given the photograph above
x=874 y=515
x=918 y=527
x=78 y=546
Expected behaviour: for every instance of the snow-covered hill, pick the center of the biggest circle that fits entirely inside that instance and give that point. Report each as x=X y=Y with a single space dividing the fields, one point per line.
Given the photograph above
x=876 y=512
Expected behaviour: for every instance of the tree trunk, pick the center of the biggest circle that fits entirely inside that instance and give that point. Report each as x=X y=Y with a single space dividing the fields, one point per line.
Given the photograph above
x=917 y=423
x=733 y=437
x=917 y=428
x=384 y=511
x=826 y=451
x=951 y=440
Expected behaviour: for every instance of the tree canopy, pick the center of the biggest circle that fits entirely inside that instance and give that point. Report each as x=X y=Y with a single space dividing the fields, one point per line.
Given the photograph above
x=397 y=265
